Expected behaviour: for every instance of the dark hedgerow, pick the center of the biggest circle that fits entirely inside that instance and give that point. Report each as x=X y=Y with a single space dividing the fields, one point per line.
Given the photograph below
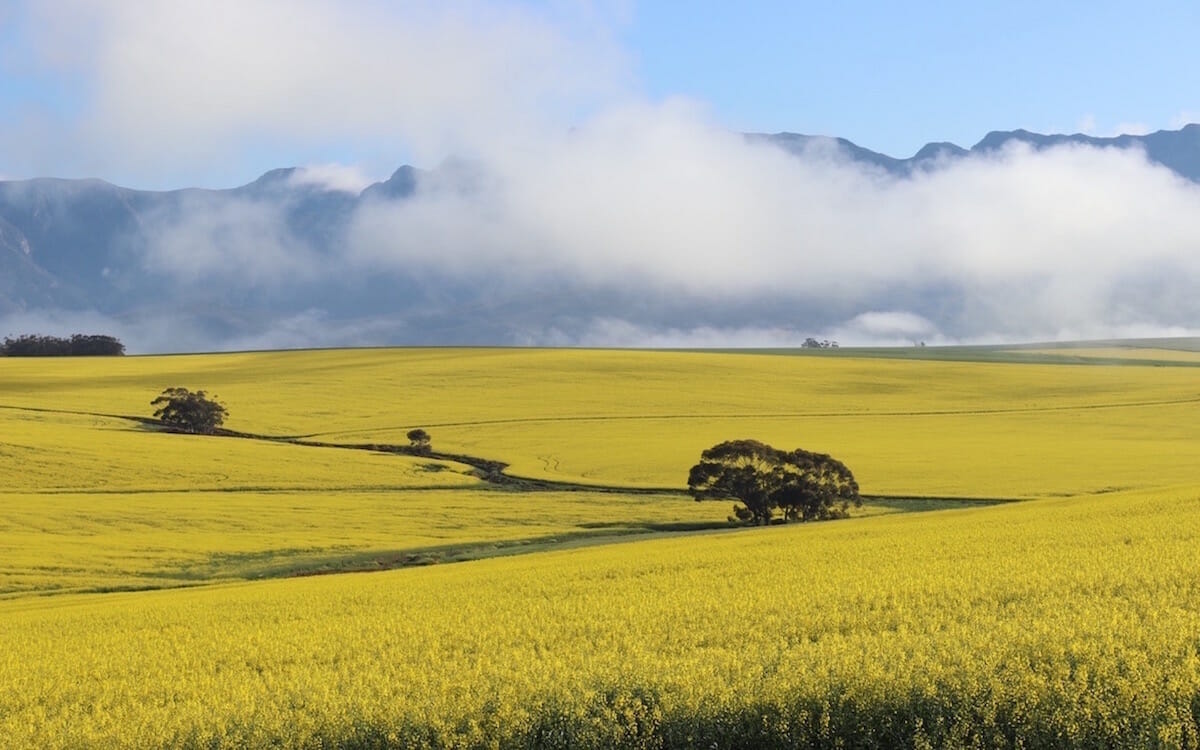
x=78 y=345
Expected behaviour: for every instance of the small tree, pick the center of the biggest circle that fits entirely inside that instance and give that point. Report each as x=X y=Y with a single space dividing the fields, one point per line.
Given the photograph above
x=804 y=486
x=419 y=441
x=189 y=411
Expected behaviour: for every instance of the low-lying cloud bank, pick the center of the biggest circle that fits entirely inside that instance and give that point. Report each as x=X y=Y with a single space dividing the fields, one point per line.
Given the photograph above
x=651 y=227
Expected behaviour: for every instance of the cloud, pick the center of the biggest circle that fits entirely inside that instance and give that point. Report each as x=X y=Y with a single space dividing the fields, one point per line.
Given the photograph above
x=334 y=177
x=615 y=332
x=189 y=86
x=649 y=224
x=885 y=328
x=312 y=328
x=177 y=330
x=207 y=237
x=654 y=202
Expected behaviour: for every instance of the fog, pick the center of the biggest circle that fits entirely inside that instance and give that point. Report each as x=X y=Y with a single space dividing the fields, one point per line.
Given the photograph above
x=655 y=228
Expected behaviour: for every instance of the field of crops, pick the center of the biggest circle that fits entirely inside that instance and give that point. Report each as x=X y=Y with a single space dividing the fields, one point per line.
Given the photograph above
x=1055 y=623
x=1069 y=619
x=906 y=427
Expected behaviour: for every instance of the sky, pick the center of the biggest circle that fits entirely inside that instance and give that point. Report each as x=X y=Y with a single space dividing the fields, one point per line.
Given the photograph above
x=173 y=94
x=605 y=161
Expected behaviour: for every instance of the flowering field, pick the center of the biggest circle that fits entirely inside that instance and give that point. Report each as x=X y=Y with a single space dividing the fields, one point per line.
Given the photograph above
x=1069 y=619
x=1050 y=623
x=636 y=418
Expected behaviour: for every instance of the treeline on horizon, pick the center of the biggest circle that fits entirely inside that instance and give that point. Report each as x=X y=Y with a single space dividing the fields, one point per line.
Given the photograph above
x=78 y=345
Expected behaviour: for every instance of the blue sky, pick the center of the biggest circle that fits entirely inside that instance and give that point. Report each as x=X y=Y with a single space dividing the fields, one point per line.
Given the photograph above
x=893 y=76
x=889 y=76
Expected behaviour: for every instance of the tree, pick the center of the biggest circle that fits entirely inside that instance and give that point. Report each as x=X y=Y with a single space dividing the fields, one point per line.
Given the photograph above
x=419 y=440
x=79 y=345
x=804 y=486
x=189 y=411
x=739 y=469
x=811 y=343
x=817 y=487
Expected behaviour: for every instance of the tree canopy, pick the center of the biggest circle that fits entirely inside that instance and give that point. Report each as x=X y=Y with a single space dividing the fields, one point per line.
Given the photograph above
x=799 y=484
x=78 y=345
x=419 y=441
x=189 y=411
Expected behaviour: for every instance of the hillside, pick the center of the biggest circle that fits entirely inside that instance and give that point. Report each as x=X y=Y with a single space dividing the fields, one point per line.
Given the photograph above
x=601 y=439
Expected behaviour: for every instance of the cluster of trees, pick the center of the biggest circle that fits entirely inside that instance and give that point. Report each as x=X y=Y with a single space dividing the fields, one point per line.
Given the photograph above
x=420 y=442
x=811 y=343
x=798 y=485
x=189 y=411
x=78 y=345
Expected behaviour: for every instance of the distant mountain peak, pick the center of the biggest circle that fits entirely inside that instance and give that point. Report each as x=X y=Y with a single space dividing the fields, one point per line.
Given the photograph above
x=1178 y=150
x=402 y=184
x=940 y=150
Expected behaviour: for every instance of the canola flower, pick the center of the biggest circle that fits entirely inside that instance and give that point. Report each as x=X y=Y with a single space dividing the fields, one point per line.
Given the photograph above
x=1060 y=623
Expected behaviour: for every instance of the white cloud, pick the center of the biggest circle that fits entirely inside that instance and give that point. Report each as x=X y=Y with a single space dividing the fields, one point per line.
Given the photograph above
x=876 y=328
x=656 y=199
x=192 y=85
x=242 y=242
x=334 y=177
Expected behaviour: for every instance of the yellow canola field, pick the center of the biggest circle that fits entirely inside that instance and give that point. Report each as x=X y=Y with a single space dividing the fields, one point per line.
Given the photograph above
x=1059 y=622
x=1064 y=623
x=51 y=452
x=1150 y=354
x=638 y=418
x=63 y=543
x=94 y=502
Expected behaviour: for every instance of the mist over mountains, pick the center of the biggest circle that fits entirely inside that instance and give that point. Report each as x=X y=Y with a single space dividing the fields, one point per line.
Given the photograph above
x=633 y=231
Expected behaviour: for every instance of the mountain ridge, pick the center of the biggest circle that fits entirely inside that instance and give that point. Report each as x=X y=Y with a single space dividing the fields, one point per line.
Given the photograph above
x=1178 y=150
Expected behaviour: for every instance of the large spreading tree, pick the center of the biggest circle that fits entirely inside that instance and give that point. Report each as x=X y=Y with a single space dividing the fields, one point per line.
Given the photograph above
x=189 y=411
x=800 y=485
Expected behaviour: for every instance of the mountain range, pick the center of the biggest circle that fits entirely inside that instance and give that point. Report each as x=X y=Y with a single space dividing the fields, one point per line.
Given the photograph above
x=87 y=246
